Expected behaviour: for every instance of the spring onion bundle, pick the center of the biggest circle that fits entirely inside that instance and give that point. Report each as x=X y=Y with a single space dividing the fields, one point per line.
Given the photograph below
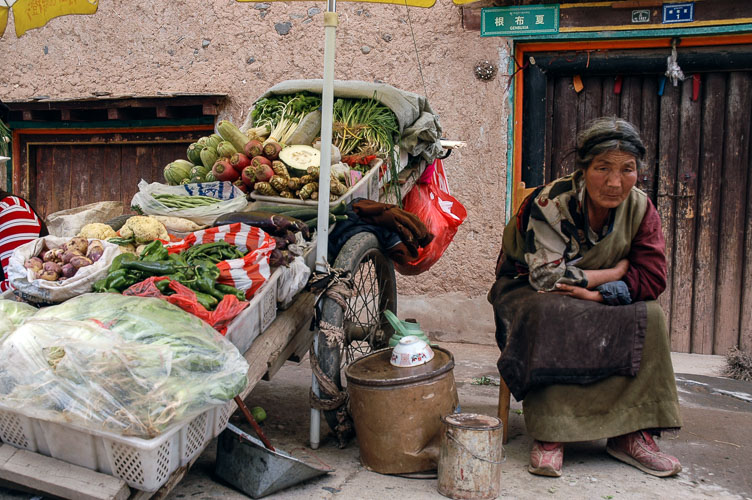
x=282 y=114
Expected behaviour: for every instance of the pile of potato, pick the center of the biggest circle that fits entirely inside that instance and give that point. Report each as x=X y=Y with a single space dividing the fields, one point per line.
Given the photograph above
x=62 y=262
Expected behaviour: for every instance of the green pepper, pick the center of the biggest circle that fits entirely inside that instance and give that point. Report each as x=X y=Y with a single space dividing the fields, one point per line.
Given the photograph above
x=100 y=285
x=121 y=241
x=159 y=268
x=177 y=258
x=120 y=283
x=207 y=268
x=118 y=273
x=209 y=302
x=154 y=251
x=230 y=290
x=163 y=285
x=119 y=259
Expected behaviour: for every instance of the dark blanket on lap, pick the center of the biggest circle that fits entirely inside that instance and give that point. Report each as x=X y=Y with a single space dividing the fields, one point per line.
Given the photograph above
x=547 y=338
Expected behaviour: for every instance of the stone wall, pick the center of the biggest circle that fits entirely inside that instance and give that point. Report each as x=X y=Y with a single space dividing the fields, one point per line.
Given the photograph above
x=223 y=46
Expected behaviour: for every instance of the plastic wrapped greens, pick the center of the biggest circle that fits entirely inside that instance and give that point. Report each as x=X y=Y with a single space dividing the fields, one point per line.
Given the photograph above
x=12 y=314
x=128 y=365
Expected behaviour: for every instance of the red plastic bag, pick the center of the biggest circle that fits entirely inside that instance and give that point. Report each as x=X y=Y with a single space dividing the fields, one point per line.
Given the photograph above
x=248 y=273
x=185 y=299
x=440 y=212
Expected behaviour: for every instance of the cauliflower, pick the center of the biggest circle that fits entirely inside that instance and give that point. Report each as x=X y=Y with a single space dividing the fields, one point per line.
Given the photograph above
x=97 y=231
x=144 y=229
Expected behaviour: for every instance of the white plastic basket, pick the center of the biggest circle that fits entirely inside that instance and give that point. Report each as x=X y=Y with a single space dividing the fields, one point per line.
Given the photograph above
x=145 y=464
x=367 y=187
x=255 y=318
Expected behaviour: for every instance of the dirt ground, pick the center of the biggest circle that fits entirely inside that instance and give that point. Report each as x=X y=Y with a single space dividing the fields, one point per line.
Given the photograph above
x=713 y=446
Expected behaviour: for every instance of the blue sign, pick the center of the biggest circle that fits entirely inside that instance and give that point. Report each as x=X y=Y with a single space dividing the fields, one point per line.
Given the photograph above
x=678 y=12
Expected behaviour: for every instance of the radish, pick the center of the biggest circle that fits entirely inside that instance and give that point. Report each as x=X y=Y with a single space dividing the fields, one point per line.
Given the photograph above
x=260 y=160
x=240 y=185
x=272 y=149
x=223 y=171
x=239 y=161
x=253 y=148
x=249 y=176
x=263 y=172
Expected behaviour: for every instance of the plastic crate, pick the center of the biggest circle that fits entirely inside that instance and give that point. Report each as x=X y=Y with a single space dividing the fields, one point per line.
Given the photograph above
x=255 y=318
x=145 y=464
x=367 y=187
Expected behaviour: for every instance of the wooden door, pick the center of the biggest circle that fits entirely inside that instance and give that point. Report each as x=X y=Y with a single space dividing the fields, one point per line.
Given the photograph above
x=72 y=175
x=65 y=170
x=697 y=173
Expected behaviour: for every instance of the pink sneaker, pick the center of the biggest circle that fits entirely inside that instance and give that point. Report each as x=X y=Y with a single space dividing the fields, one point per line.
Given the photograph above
x=546 y=459
x=639 y=449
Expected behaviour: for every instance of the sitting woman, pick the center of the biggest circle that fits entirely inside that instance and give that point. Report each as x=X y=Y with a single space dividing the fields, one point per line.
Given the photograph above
x=584 y=344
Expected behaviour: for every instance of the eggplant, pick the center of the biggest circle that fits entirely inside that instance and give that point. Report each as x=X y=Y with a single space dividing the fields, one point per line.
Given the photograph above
x=275 y=224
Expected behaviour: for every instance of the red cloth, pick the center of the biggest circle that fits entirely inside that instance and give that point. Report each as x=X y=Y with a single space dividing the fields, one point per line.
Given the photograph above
x=19 y=224
x=646 y=277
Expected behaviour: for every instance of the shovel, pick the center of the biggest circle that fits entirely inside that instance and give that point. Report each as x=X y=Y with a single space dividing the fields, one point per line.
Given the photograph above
x=254 y=466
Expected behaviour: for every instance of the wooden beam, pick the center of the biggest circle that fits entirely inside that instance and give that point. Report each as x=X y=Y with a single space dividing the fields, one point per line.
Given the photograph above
x=296 y=349
x=275 y=338
x=58 y=478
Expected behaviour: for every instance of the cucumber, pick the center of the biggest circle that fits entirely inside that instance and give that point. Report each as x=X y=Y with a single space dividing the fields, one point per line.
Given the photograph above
x=232 y=134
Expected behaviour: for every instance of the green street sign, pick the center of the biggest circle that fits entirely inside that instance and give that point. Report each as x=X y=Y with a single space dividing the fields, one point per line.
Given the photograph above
x=516 y=21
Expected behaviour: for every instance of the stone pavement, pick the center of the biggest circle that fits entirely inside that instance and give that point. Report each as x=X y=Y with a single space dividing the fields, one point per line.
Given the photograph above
x=714 y=446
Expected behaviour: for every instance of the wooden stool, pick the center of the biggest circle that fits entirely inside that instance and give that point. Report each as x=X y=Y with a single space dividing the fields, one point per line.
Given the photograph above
x=520 y=193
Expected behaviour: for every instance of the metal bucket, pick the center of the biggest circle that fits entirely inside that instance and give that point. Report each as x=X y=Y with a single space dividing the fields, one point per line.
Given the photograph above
x=397 y=410
x=471 y=456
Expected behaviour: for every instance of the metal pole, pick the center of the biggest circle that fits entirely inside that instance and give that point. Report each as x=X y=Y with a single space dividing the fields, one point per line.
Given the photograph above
x=322 y=229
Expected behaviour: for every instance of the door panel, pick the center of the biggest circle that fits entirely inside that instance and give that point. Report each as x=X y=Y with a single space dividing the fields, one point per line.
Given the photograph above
x=71 y=175
x=697 y=173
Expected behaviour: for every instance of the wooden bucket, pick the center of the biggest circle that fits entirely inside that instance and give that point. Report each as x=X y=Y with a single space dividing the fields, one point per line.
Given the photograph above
x=470 y=456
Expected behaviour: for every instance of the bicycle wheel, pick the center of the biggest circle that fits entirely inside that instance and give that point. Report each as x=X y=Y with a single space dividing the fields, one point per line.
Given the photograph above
x=366 y=329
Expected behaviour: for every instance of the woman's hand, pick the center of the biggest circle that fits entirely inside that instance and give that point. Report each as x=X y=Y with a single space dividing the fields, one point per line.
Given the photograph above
x=578 y=292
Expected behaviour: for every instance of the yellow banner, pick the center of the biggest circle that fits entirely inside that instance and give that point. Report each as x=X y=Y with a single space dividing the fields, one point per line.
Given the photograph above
x=3 y=19
x=411 y=3
x=463 y=2
x=30 y=14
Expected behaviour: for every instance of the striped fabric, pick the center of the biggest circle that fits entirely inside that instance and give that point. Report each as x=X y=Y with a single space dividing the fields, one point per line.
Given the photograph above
x=18 y=224
x=248 y=273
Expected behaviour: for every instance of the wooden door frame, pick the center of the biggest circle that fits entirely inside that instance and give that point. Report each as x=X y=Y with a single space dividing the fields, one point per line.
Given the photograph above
x=524 y=50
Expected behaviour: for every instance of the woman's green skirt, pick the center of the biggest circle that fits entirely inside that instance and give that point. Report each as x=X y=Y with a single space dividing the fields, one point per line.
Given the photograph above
x=613 y=406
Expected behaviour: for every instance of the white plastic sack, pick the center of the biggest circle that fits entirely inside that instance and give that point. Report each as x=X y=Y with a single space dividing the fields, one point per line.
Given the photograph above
x=43 y=292
x=292 y=280
x=233 y=200
x=12 y=315
x=133 y=366
x=69 y=222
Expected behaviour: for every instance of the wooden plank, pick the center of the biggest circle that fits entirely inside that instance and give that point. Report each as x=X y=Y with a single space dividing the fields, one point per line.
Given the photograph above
x=274 y=338
x=58 y=478
x=590 y=102
x=668 y=138
x=610 y=104
x=708 y=212
x=112 y=186
x=84 y=175
x=684 y=223
x=649 y=133
x=733 y=193
x=745 y=322
x=630 y=107
x=548 y=155
x=565 y=122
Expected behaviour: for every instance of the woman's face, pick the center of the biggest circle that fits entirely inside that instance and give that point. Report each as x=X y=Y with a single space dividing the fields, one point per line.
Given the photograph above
x=610 y=177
